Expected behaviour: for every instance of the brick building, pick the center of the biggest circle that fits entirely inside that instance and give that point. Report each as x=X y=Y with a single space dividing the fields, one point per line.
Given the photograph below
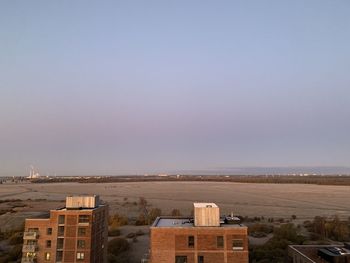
x=319 y=253
x=206 y=238
x=76 y=233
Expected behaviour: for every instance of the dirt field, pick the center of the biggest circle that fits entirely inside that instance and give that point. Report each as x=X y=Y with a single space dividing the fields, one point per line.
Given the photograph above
x=269 y=200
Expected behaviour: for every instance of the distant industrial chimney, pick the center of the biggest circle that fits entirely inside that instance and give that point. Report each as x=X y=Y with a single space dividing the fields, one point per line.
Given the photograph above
x=206 y=214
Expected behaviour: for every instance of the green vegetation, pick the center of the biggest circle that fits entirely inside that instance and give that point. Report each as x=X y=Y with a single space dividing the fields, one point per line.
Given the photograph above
x=333 y=228
x=14 y=239
x=175 y=212
x=146 y=216
x=114 y=232
x=117 y=220
x=275 y=250
x=260 y=230
x=118 y=250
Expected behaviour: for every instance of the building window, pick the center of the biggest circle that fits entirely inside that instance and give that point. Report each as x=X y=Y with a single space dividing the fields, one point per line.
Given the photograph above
x=237 y=244
x=81 y=231
x=47 y=256
x=33 y=229
x=80 y=255
x=191 y=241
x=61 y=219
x=84 y=219
x=200 y=259
x=48 y=243
x=180 y=259
x=49 y=231
x=220 y=241
x=81 y=243
x=60 y=231
x=60 y=243
x=59 y=256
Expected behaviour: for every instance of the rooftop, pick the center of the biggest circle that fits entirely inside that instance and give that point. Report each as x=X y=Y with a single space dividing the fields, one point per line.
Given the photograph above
x=327 y=251
x=164 y=221
x=200 y=205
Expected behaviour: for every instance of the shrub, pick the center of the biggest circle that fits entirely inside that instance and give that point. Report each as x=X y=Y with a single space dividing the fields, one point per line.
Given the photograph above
x=153 y=214
x=141 y=220
x=16 y=238
x=175 y=212
x=117 y=246
x=114 y=232
x=117 y=220
x=258 y=227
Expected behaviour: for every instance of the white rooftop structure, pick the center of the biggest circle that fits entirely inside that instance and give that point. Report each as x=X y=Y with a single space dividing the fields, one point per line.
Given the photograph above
x=82 y=201
x=206 y=214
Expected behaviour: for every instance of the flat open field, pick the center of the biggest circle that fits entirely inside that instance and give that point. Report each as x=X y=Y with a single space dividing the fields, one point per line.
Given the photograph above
x=246 y=199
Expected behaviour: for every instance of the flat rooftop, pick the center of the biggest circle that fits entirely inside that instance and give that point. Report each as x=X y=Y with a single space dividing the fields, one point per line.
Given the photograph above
x=311 y=251
x=183 y=222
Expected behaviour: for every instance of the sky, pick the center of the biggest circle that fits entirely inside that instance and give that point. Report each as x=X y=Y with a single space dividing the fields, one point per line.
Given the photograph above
x=119 y=87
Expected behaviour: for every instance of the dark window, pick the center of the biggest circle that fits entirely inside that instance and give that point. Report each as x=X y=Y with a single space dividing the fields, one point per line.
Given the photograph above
x=59 y=256
x=49 y=231
x=33 y=229
x=200 y=259
x=31 y=242
x=220 y=241
x=60 y=231
x=61 y=219
x=84 y=219
x=191 y=241
x=81 y=243
x=48 y=243
x=237 y=244
x=180 y=259
x=60 y=243
x=81 y=231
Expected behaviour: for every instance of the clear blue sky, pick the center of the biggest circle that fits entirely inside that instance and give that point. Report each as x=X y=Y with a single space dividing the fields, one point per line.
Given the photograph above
x=95 y=87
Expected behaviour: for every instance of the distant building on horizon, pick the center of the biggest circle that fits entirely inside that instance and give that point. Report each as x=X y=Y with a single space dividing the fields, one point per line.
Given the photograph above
x=76 y=233
x=206 y=238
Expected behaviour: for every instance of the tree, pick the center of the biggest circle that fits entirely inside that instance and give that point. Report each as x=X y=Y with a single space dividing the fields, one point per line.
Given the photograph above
x=153 y=214
x=118 y=245
x=175 y=212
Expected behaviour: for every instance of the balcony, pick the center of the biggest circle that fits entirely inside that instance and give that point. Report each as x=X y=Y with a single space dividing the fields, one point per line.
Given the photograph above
x=29 y=248
x=30 y=235
x=28 y=260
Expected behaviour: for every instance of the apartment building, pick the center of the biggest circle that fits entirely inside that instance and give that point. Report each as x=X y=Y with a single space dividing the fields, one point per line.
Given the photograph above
x=319 y=253
x=205 y=238
x=77 y=232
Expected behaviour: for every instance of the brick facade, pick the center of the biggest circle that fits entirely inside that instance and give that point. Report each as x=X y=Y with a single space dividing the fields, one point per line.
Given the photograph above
x=76 y=241
x=169 y=242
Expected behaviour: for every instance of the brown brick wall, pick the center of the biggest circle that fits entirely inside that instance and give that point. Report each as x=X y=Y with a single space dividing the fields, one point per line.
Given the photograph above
x=190 y=256
x=96 y=236
x=207 y=242
x=237 y=257
x=171 y=241
x=212 y=257
x=71 y=231
x=71 y=220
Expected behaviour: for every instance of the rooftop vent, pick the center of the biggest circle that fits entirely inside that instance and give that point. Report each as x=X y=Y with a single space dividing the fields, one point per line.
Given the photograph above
x=206 y=214
x=76 y=202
